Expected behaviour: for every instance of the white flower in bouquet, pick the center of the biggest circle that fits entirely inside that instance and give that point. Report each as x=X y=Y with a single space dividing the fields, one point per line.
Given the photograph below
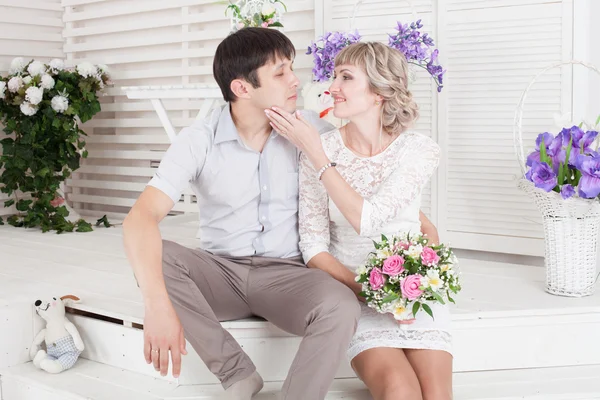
x=59 y=103
x=360 y=270
x=87 y=69
x=2 y=89
x=383 y=253
x=57 y=65
x=47 y=82
x=27 y=80
x=103 y=68
x=17 y=66
x=400 y=311
x=28 y=109
x=267 y=9
x=432 y=280
x=415 y=251
x=34 y=95
x=36 y=68
x=15 y=83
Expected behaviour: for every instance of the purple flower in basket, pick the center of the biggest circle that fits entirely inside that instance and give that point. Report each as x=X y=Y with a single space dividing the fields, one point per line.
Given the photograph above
x=567 y=191
x=589 y=184
x=553 y=148
x=542 y=176
x=581 y=143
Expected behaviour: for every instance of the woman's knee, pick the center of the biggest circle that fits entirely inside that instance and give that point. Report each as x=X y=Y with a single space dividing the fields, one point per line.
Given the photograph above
x=396 y=387
x=436 y=391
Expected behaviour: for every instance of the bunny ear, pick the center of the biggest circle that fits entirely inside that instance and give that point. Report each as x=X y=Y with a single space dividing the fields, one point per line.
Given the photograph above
x=70 y=297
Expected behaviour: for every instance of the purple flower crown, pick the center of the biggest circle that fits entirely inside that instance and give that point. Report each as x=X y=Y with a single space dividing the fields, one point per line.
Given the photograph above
x=416 y=47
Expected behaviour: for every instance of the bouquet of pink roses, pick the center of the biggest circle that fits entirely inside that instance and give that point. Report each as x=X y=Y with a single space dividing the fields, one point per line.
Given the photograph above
x=405 y=273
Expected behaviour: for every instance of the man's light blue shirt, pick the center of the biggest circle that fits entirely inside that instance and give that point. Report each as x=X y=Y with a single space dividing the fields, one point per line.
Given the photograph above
x=248 y=201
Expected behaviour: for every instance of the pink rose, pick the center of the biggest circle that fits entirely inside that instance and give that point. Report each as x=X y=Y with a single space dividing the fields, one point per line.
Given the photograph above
x=265 y=24
x=429 y=257
x=57 y=202
x=393 y=265
x=376 y=279
x=401 y=246
x=410 y=287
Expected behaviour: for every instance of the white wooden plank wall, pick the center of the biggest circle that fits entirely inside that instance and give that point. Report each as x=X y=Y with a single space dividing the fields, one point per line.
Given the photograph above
x=31 y=29
x=148 y=43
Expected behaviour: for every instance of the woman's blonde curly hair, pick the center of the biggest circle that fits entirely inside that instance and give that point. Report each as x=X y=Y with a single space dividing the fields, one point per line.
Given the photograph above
x=387 y=71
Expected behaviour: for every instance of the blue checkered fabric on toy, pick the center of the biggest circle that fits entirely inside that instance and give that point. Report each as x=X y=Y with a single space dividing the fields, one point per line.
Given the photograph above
x=64 y=351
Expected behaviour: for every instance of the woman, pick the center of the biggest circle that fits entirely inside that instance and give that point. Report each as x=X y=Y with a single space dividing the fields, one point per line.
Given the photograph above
x=356 y=183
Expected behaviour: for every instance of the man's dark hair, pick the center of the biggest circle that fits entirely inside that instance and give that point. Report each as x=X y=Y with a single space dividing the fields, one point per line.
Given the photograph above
x=242 y=53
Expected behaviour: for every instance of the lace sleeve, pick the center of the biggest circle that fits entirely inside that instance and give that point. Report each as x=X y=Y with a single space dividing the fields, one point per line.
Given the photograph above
x=413 y=170
x=313 y=212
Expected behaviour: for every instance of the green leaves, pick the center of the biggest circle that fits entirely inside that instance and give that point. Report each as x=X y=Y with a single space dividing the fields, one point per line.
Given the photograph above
x=104 y=221
x=43 y=151
x=416 y=308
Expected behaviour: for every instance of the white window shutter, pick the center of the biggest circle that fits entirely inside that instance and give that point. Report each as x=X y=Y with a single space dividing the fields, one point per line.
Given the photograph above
x=492 y=51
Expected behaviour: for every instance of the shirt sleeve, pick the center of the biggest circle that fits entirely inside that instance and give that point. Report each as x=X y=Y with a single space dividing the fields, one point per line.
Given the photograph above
x=402 y=187
x=182 y=163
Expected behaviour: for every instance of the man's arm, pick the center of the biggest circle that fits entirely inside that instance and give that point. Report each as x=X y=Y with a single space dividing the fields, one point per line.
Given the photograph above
x=143 y=243
x=163 y=332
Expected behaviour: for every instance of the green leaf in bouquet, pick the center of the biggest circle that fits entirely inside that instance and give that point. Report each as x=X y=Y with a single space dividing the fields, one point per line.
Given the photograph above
x=543 y=154
x=9 y=203
x=428 y=310
x=416 y=308
x=561 y=174
x=1 y=221
x=277 y=24
x=363 y=294
x=450 y=298
x=438 y=297
x=597 y=120
x=389 y=298
x=384 y=238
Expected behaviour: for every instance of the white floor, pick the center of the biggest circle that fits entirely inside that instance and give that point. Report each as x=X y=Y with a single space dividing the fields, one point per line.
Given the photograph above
x=94 y=267
x=513 y=340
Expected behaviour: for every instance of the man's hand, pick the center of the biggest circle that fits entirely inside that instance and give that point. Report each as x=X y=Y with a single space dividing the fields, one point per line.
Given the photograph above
x=163 y=333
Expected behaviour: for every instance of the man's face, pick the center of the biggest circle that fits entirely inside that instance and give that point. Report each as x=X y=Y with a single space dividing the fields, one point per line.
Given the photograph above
x=278 y=86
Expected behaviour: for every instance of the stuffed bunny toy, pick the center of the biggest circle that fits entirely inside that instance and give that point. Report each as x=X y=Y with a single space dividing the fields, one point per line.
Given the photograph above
x=63 y=343
x=317 y=98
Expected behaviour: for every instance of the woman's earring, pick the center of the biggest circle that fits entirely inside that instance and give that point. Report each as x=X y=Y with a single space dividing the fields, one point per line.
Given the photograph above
x=377 y=103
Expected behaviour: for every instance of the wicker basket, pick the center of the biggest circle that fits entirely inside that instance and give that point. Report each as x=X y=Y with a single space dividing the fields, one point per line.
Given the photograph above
x=570 y=226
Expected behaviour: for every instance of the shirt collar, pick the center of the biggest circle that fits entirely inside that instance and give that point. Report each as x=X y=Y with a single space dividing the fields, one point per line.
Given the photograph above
x=226 y=130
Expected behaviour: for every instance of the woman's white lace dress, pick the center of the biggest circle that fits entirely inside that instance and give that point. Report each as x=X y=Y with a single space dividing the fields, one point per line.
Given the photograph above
x=391 y=183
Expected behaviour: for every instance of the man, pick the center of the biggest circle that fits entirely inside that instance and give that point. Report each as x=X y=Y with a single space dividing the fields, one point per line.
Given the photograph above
x=245 y=177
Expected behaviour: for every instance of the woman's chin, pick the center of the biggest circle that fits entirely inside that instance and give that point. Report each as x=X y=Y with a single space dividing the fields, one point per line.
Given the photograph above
x=339 y=113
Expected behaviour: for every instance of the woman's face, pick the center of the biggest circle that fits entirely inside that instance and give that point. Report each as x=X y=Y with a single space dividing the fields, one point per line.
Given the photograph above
x=351 y=92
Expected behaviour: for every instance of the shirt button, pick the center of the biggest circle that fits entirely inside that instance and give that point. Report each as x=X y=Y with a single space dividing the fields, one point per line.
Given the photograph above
x=263 y=218
x=265 y=187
